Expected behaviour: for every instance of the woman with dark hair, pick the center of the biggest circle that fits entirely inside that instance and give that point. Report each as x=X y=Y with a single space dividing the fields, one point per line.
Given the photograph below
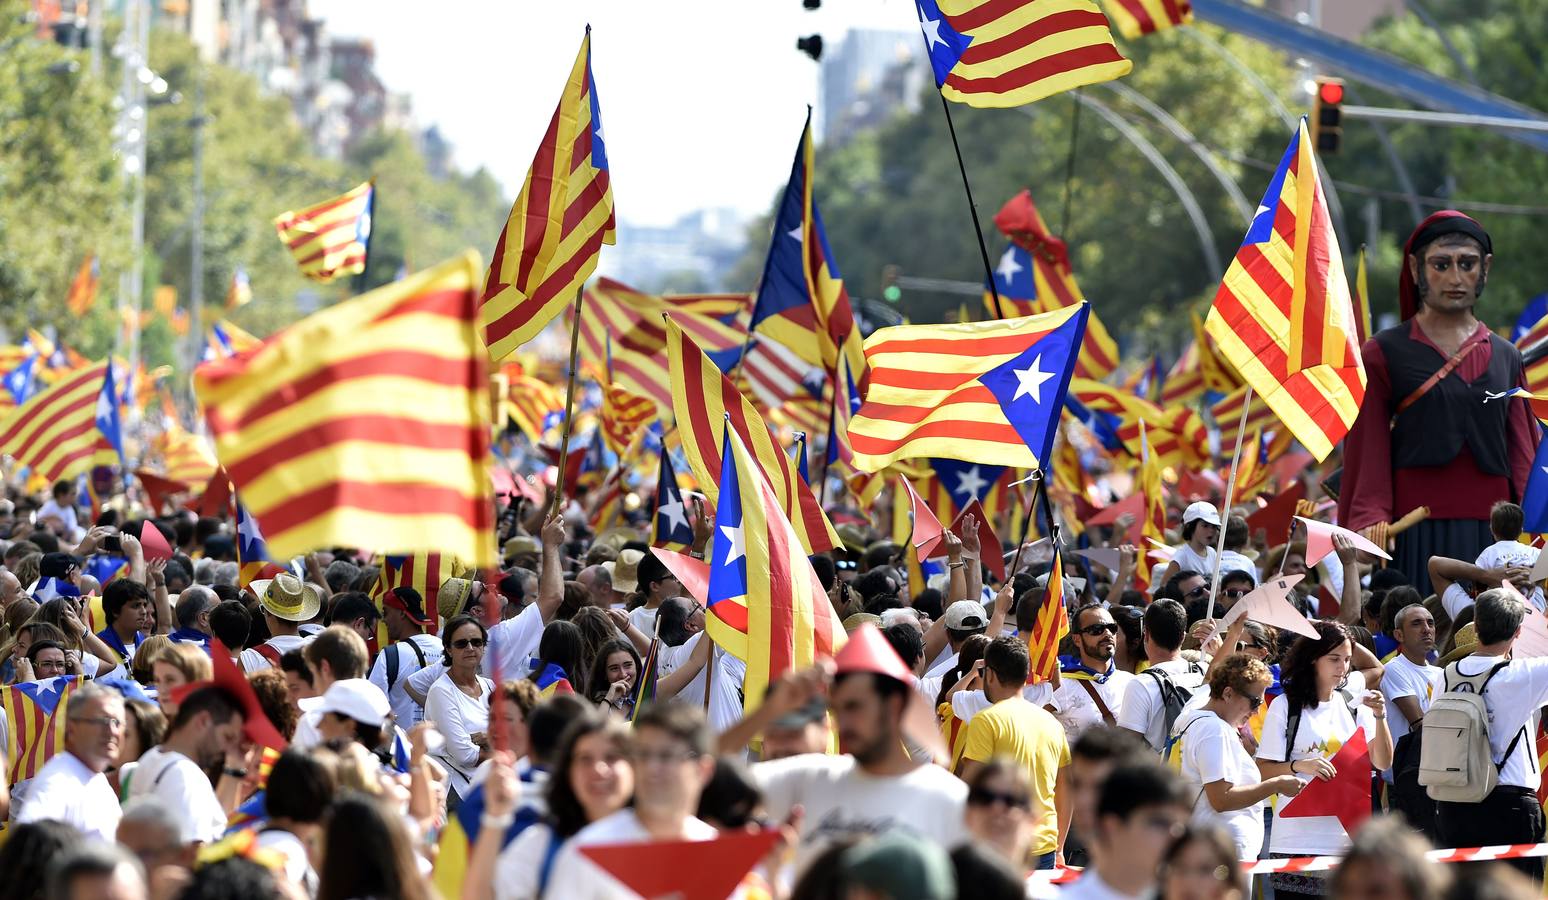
x=28 y=852
x=597 y=629
x=563 y=646
x=458 y=703
x=1316 y=715
x=358 y=828
x=613 y=676
x=592 y=778
x=301 y=786
x=1202 y=865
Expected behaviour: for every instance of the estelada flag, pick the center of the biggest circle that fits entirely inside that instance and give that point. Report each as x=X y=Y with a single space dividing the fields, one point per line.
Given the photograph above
x=333 y=238
x=367 y=424
x=561 y=219
x=1283 y=316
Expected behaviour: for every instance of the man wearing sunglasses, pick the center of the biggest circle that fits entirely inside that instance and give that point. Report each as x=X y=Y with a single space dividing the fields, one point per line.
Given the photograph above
x=1091 y=687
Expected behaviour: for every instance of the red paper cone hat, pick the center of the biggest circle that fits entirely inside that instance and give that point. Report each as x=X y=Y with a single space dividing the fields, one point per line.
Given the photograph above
x=868 y=651
x=684 y=870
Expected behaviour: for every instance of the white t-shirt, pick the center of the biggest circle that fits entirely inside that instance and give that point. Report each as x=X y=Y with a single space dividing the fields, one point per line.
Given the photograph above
x=725 y=706
x=458 y=716
x=1075 y=709
x=520 y=864
x=1405 y=679
x=1143 y=711
x=1090 y=886
x=514 y=640
x=253 y=661
x=1322 y=731
x=644 y=618
x=841 y=799
x=178 y=782
x=1189 y=559
x=72 y=525
x=307 y=734
x=967 y=704
x=1513 y=697
x=943 y=663
x=65 y=790
x=405 y=711
x=1210 y=750
x=298 y=866
x=575 y=877
x=1232 y=561
x=1500 y=553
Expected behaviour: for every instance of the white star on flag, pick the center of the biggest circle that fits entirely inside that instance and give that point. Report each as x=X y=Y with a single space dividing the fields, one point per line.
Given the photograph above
x=970 y=483
x=795 y=234
x=598 y=134
x=738 y=549
x=931 y=28
x=673 y=512
x=1008 y=266
x=1031 y=381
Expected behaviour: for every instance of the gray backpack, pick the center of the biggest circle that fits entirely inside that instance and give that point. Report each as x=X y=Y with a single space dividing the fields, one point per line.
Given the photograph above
x=1456 y=763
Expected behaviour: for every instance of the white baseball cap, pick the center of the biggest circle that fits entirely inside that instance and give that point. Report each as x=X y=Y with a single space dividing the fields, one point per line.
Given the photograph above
x=1202 y=511
x=358 y=699
x=966 y=615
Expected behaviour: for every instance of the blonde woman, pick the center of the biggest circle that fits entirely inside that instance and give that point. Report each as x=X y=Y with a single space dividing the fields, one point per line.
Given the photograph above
x=173 y=666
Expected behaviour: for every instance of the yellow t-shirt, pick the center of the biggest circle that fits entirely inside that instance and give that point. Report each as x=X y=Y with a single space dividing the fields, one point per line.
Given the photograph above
x=1016 y=730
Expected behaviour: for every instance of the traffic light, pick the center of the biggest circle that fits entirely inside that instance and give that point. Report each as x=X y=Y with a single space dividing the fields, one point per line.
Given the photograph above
x=1327 y=120
x=889 y=284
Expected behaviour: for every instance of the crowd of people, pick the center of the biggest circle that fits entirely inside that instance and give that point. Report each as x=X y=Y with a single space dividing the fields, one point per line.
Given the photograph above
x=315 y=734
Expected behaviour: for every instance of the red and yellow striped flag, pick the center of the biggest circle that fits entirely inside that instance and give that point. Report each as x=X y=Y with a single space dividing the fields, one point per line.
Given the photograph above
x=424 y=572
x=332 y=238
x=1362 y=301
x=1137 y=18
x=559 y=223
x=185 y=456
x=55 y=433
x=83 y=288
x=994 y=53
x=1050 y=627
x=1227 y=413
x=1153 y=527
x=703 y=397
x=1283 y=316
x=623 y=415
x=531 y=403
x=367 y=424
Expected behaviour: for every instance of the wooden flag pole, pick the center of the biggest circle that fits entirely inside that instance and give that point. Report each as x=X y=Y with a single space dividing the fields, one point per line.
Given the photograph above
x=983 y=249
x=1236 y=458
x=569 y=402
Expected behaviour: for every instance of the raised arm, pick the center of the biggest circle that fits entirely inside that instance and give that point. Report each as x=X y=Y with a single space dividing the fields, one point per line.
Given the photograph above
x=551 y=569
x=1350 y=602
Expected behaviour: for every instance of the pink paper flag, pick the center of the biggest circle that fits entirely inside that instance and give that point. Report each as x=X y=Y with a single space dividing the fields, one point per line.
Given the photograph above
x=1319 y=540
x=153 y=543
x=927 y=528
x=1267 y=605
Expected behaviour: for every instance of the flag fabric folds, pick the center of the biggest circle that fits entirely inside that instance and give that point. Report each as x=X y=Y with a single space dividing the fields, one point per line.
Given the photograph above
x=1034 y=275
x=644 y=692
x=553 y=680
x=534 y=406
x=1534 y=499
x=764 y=597
x=1283 y=316
x=703 y=398
x=333 y=238
x=240 y=292
x=670 y=528
x=623 y=415
x=253 y=561
x=561 y=219
x=986 y=392
x=1137 y=18
x=55 y=432
x=35 y=723
x=422 y=571
x=367 y=424
x=1051 y=626
x=993 y=53
x=802 y=295
x=83 y=287
x=1362 y=301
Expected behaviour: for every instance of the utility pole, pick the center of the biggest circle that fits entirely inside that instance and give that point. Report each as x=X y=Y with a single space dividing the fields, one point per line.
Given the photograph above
x=196 y=244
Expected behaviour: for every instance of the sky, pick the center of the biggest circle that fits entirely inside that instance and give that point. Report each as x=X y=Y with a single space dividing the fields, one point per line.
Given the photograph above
x=702 y=100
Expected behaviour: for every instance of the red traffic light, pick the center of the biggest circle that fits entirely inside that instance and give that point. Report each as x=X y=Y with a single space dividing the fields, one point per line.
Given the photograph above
x=1330 y=92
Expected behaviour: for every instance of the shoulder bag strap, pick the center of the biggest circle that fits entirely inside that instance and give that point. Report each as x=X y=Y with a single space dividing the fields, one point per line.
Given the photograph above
x=1292 y=726
x=1446 y=369
x=391 y=662
x=1107 y=714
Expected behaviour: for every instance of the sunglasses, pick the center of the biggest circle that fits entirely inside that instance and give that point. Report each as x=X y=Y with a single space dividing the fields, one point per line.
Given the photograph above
x=1100 y=629
x=1197 y=592
x=1256 y=701
x=1236 y=593
x=465 y=643
x=1008 y=799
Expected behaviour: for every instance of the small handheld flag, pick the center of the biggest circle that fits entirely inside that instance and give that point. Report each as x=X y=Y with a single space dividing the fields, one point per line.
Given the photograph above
x=333 y=238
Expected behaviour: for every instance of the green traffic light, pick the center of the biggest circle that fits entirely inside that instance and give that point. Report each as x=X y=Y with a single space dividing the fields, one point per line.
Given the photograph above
x=892 y=293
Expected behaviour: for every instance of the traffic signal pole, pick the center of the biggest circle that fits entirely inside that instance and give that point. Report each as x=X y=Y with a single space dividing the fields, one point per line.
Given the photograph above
x=1456 y=120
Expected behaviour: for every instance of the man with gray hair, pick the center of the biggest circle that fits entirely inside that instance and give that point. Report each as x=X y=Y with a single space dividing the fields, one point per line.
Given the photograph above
x=1410 y=683
x=96 y=872
x=1514 y=691
x=151 y=830
x=193 y=615
x=71 y=787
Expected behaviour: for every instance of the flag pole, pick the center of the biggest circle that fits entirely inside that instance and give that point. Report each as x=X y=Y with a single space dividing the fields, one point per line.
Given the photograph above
x=1236 y=458
x=1026 y=523
x=978 y=230
x=569 y=400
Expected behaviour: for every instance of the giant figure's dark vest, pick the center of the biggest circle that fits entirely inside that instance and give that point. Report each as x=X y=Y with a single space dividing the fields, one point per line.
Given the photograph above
x=1431 y=432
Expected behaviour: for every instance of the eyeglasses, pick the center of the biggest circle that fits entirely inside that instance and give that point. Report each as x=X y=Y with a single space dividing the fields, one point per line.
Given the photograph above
x=1256 y=701
x=642 y=756
x=1236 y=593
x=465 y=643
x=1008 y=799
x=1100 y=629
x=49 y=665
x=111 y=723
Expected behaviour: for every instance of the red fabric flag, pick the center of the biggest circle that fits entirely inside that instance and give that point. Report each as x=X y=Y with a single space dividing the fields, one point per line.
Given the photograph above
x=685 y=870
x=927 y=528
x=1346 y=795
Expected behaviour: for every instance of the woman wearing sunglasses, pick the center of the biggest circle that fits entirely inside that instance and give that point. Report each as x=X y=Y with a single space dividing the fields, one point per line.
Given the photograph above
x=1222 y=777
x=458 y=703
